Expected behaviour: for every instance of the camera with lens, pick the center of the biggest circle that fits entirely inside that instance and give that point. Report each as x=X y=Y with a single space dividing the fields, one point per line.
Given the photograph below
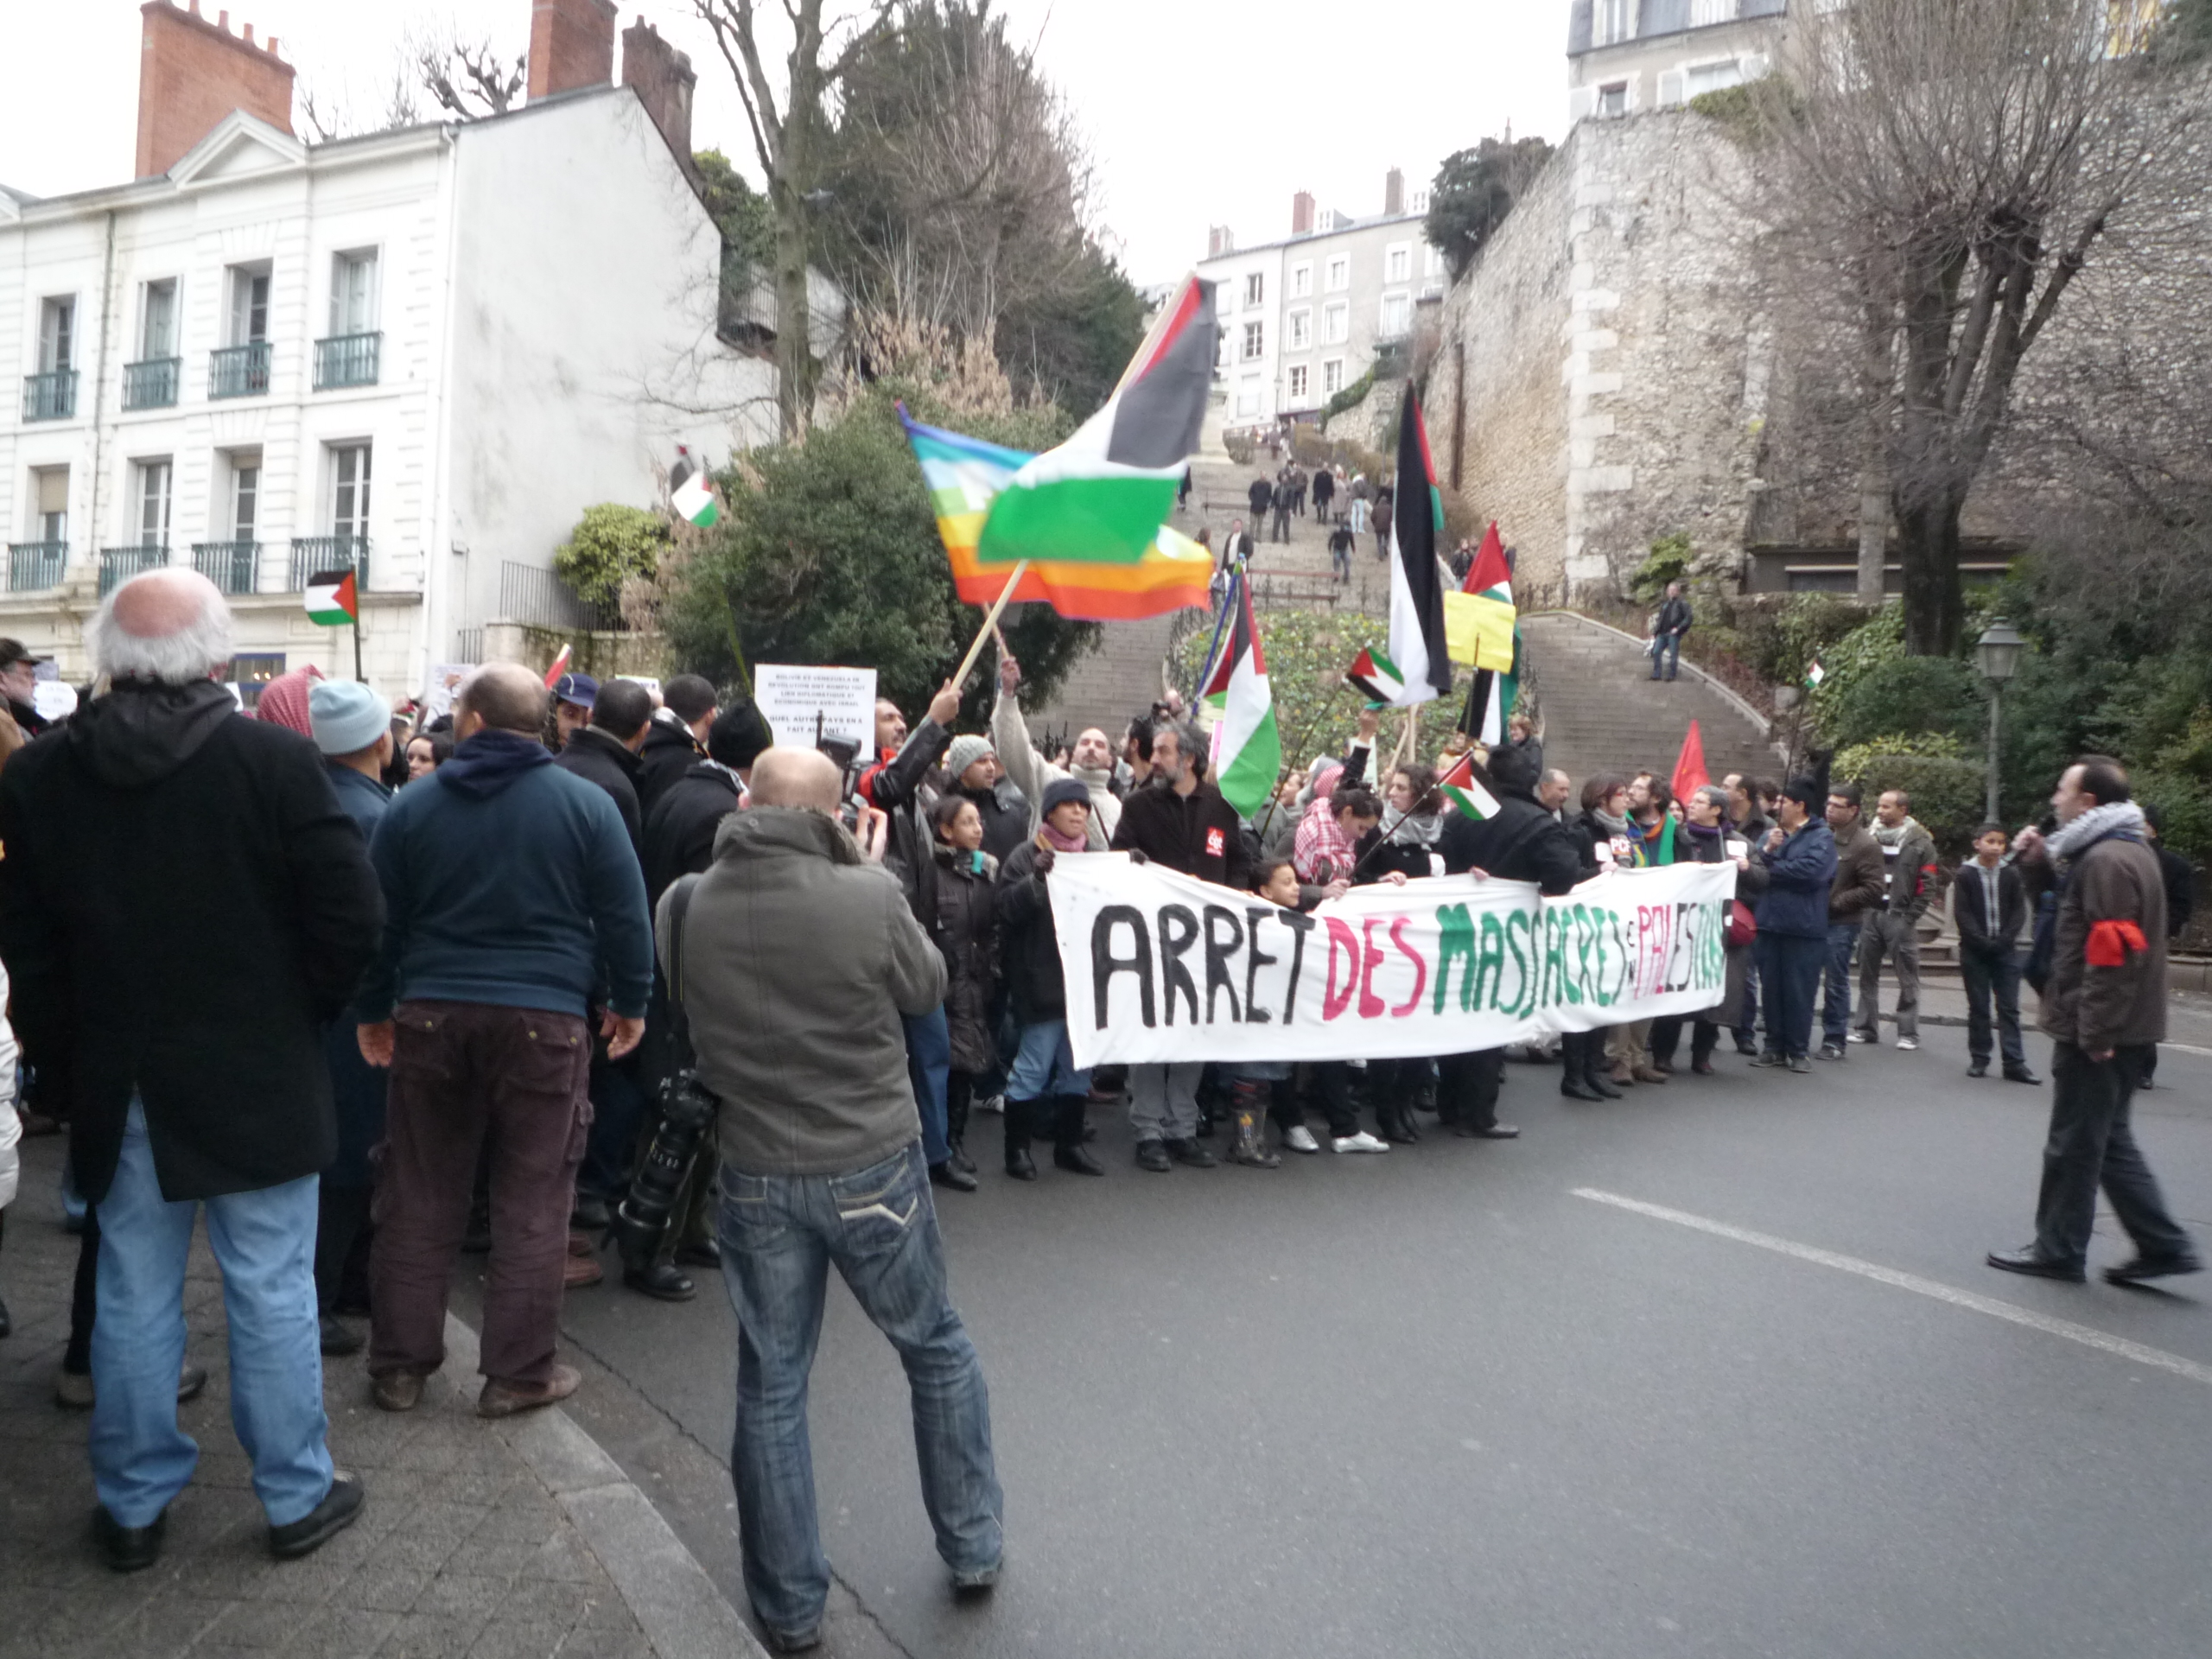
x=845 y=753
x=687 y=1107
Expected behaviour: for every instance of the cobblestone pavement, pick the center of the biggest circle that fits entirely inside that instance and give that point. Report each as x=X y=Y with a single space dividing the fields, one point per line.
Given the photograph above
x=463 y=1548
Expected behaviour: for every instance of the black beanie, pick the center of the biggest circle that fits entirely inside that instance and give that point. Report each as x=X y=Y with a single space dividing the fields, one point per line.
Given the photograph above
x=738 y=735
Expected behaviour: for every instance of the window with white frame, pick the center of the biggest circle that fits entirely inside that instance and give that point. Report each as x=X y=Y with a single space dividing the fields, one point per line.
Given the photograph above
x=1338 y=277
x=1612 y=99
x=1298 y=379
x=1301 y=329
x=1301 y=279
x=151 y=501
x=1256 y=287
x=157 y=320
x=1398 y=261
x=353 y=292
x=249 y=317
x=1397 y=315
x=1417 y=203
x=50 y=504
x=1254 y=339
x=1332 y=375
x=1712 y=77
x=1336 y=323
x=1431 y=260
x=57 y=334
x=349 y=489
x=245 y=495
x=1247 y=395
x=1615 y=22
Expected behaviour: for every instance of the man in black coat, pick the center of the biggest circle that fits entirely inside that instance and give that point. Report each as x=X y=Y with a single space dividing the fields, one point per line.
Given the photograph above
x=1260 y=496
x=1521 y=843
x=183 y=906
x=606 y=752
x=680 y=827
x=676 y=739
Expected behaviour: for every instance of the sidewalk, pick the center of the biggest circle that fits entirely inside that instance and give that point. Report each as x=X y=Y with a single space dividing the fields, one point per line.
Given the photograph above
x=516 y=1538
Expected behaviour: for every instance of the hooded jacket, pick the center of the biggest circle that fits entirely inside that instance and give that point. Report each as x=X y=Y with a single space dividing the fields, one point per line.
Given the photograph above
x=799 y=957
x=668 y=753
x=183 y=905
x=967 y=937
x=1028 y=947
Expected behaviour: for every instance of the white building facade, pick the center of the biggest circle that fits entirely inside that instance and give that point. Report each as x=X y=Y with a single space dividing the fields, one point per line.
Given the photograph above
x=1624 y=56
x=1303 y=318
x=418 y=354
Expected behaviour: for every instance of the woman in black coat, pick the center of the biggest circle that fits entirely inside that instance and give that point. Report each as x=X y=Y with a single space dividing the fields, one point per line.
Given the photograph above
x=966 y=933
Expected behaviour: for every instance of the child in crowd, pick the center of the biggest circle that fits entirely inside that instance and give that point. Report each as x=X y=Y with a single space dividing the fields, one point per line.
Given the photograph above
x=966 y=931
x=1252 y=1083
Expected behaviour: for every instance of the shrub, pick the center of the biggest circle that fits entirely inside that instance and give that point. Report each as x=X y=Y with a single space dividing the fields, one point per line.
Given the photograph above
x=1948 y=795
x=1905 y=694
x=1668 y=561
x=611 y=544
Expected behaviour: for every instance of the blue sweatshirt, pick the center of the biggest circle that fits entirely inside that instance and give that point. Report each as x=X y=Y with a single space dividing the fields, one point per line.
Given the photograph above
x=1799 y=875
x=507 y=880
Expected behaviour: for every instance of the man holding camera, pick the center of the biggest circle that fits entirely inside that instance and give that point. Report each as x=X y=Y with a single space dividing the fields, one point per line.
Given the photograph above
x=796 y=931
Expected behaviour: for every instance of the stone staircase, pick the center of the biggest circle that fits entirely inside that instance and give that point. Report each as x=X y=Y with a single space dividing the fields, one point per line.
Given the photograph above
x=1602 y=711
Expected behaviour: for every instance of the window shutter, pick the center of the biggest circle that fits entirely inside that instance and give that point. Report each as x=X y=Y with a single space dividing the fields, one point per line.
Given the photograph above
x=54 y=490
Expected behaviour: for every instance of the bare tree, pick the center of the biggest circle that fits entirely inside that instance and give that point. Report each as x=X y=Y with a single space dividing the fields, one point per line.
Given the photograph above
x=327 y=118
x=1942 y=171
x=787 y=139
x=469 y=78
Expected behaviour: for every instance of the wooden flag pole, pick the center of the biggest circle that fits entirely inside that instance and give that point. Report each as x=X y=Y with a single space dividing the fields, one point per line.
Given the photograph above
x=990 y=625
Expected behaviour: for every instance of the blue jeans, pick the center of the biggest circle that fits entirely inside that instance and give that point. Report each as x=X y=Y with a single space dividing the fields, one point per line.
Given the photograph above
x=780 y=1233
x=1790 y=972
x=1835 y=1006
x=929 y=1063
x=1665 y=648
x=1046 y=1065
x=264 y=1244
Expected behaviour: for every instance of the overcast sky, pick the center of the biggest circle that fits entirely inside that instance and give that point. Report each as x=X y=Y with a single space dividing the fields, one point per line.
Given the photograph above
x=1200 y=112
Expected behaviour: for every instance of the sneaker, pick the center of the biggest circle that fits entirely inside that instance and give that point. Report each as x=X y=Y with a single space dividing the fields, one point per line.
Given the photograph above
x=1831 y=1051
x=1799 y=1063
x=1768 y=1057
x=1908 y=1042
x=1750 y=1050
x=995 y=1104
x=1298 y=1138
x=1858 y=1037
x=1362 y=1141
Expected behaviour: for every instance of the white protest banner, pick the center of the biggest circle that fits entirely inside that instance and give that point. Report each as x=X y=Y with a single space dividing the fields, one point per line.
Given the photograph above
x=800 y=702
x=1162 y=968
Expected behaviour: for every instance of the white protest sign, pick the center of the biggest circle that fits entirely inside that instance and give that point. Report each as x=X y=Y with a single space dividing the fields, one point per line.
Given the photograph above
x=796 y=700
x=1162 y=968
x=444 y=682
x=54 y=699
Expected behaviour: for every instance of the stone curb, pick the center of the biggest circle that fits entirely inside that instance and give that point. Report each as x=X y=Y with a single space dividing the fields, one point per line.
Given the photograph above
x=667 y=1592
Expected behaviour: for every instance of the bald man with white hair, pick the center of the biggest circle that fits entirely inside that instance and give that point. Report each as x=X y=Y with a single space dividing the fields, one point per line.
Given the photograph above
x=183 y=906
x=794 y=958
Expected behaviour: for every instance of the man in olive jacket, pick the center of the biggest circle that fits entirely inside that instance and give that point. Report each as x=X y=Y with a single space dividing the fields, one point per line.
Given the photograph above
x=1857 y=889
x=183 y=906
x=2103 y=947
x=798 y=958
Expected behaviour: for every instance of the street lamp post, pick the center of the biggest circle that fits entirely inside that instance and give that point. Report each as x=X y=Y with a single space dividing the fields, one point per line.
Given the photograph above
x=1997 y=653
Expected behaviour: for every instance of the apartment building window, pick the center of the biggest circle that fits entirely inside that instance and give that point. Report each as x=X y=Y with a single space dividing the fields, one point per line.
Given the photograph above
x=51 y=394
x=37 y=564
x=1417 y=203
x=1338 y=276
x=1431 y=260
x=1615 y=22
x=1336 y=323
x=1247 y=395
x=246 y=496
x=1254 y=339
x=150 y=497
x=1332 y=375
x=151 y=382
x=1298 y=379
x=1256 y=287
x=348 y=355
x=1397 y=315
x=1612 y=99
x=349 y=492
x=1398 y=261
x=1302 y=330
x=1712 y=77
x=1302 y=280
x=239 y=367
x=231 y=562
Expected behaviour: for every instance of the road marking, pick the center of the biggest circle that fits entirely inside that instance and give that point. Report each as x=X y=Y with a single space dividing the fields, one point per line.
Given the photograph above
x=2088 y=1336
x=2186 y=1048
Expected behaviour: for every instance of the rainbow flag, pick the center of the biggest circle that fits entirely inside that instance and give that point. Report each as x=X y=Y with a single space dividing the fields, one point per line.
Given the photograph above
x=965 y=474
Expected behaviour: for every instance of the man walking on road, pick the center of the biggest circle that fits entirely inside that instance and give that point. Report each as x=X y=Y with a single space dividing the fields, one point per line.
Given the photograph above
x=514 y=895
x=183 y=906
x=2102 y=948
x=1990 y=904
x=1892 y=926
x=1674 y=621
x=795 y=931
x=1858 y=889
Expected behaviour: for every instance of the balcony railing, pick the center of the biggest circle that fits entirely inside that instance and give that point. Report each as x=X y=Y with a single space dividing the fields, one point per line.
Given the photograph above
x=51 y=396
x=239 y=371
x=314 y=554
x=33 y=566
x=347 y=360
x=119 y=565
x=233 y=565
x=151 y=384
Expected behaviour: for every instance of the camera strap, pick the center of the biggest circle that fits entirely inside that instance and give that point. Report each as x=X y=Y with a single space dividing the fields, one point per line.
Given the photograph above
x=679 y=906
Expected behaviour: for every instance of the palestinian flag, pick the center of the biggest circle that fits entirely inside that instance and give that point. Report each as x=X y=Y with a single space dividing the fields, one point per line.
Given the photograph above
x=1102 y=497
x=1247 y=745
x=1466 y=786
x=1377 y=676
x=333 y=598
x=965 y=475
x=690 y=492
x=1478 y=619
x=1814 y=675
x=1417 y=633
x=560 y=667
x=1492 y=695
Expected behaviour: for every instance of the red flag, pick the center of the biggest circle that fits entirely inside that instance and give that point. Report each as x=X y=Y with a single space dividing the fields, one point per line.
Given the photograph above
x=1490 y=569
x=1689 y=770
x=560 y=667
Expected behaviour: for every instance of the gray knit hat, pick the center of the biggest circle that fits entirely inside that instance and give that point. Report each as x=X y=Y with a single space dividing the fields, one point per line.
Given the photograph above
x=965 y=752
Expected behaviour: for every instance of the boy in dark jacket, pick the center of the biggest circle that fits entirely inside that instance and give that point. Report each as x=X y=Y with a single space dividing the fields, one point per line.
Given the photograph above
x=1044 y=1083
x=1990 y=905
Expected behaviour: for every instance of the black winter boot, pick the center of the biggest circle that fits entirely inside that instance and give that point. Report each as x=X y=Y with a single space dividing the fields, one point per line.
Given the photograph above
x=955 y=1132
x=1018 y=1162
x=1068 y=1151
x=1574 y=1058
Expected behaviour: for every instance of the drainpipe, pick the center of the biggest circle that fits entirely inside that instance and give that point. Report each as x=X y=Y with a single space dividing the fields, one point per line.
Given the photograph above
x=100 y=391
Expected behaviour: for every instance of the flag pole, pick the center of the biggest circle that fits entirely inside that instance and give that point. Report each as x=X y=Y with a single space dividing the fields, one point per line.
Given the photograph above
x=357 y=642
x=990 y=624
x=1290 y=764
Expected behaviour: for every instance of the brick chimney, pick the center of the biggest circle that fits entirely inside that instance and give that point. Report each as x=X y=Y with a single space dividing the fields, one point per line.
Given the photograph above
x=1394 y=194
x=192 y=74
x=1301 y=214
x=1219 y=241
x=571 y=45
x=663 y=78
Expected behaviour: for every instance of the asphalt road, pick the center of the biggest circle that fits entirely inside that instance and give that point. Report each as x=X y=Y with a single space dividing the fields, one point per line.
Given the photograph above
x=1438 y=1402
